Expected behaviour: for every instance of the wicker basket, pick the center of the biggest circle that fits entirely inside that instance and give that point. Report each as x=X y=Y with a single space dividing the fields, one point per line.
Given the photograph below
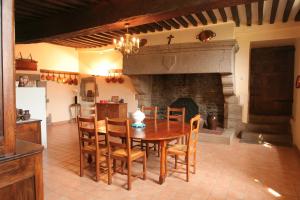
x=26 y=63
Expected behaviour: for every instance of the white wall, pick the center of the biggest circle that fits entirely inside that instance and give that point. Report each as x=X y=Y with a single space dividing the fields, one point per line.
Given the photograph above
x=50 y=56
x=95 y=63
x=60 y=97
x=54 y=57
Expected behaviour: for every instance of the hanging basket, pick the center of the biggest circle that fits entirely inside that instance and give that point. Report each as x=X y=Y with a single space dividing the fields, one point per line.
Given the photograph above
x=26 y=63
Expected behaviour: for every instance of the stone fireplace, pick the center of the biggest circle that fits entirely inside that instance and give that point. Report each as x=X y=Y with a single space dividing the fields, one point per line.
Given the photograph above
x=202 y=72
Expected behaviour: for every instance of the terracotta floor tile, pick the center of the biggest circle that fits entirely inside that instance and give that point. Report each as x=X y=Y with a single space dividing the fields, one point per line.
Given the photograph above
x=224 y=172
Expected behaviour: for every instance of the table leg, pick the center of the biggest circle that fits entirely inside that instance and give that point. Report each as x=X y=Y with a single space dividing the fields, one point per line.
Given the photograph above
x=163 y=158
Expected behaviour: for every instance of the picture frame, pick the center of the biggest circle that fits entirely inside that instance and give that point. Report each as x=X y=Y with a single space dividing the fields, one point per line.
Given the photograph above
x=298 y=82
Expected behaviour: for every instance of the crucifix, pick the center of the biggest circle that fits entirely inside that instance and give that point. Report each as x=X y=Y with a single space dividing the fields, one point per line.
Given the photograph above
x=170 y=37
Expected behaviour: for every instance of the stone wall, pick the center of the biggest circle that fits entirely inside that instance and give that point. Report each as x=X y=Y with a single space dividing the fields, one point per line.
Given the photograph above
x=204 y=89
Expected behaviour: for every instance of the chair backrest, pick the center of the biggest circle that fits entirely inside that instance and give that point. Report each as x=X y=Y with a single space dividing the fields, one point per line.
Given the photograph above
x=89 y=110
x=118 y=134
x=150 y=112
x=87 y=129
x=194 y=132
x=176 y=114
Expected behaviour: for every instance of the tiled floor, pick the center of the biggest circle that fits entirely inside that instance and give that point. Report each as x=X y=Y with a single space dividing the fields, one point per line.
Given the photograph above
x=239 y=171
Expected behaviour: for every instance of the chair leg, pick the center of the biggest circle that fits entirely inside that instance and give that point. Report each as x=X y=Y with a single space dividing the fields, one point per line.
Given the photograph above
x=144 y=167
x=147 y=149
x=187 y=167
x=158 y=150
x=176 y=158
x=81 y=164
x=166 y=164
x=109 y=170
x=114 y=165
x=129 y=175
x=195 y=161
x=97 y=166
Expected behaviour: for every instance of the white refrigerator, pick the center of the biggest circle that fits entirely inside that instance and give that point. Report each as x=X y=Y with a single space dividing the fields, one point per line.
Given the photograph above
x=34 y=100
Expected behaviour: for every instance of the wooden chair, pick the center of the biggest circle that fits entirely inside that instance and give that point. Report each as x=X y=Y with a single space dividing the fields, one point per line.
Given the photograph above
x=177 y=115
x=117 y=150
x=88 y=110
x=187 y=149
x=150 y=113
x=89 y=143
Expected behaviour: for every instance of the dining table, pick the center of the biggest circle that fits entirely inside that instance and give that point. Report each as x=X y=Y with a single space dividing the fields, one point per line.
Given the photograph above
x=157 y=131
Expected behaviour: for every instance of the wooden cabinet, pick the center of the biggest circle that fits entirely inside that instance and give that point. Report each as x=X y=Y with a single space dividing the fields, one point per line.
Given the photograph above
x=21 y=171
x=111 y=110
x=29 y=130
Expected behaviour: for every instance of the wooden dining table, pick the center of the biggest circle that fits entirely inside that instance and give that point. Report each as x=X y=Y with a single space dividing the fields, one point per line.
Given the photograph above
x=156 y=131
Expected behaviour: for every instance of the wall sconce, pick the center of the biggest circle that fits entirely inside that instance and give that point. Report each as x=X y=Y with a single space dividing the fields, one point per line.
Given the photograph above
x=114 y=76
x=206 y=35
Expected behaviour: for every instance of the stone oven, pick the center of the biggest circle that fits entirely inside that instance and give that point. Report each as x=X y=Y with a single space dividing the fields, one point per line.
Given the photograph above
x=202 y=72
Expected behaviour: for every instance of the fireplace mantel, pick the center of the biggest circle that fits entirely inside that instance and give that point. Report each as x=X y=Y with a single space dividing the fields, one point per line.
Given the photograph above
x=187 y=58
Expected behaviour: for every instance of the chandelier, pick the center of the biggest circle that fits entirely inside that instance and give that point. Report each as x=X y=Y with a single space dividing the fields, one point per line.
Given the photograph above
x=127 y=44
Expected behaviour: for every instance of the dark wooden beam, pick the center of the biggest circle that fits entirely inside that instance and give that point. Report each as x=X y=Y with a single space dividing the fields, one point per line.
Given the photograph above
x=156 y=26
x=149 y=28
x=212 y=16
x=92 y=40
x=191 y=19
x=297 y=17
x=287 y=10
x=182 y=21
x=104 y=16
x=142 y=29
x=164 y=25
x=223 y=14
x=98 y=38
x=248 y=14
x=235 y=15
x=103 y=35
x=201 y=17
x=260 y=12
x=274 y=11
x=173 y=23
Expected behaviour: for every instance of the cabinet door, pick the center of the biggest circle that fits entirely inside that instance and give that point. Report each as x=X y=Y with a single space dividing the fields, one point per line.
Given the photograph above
x=7 y=82
x=113 y=111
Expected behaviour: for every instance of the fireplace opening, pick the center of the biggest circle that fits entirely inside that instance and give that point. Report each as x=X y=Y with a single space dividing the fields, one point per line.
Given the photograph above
x=191 y=108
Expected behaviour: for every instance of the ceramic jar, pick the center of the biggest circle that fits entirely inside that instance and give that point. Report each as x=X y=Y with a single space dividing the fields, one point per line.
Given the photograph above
x=138 y=116
x=212 y=121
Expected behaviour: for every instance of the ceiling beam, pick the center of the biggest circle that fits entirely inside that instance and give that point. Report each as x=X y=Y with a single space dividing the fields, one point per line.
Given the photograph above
x=260 y=12
x=202 y=18
x=297 y=17
x=248 y=14
x=212 y=16
x=182 y=21
x=104 y=16
x=235 y=15
x=191 y=19
x=274 y=11
x=142 y=29
x=287 y=10
x=164 y=25
x=173 y=23
x=156 y=26
x=223 y=14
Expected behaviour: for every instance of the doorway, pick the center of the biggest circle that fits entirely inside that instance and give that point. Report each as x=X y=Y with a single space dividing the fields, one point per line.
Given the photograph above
x=271 y=81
